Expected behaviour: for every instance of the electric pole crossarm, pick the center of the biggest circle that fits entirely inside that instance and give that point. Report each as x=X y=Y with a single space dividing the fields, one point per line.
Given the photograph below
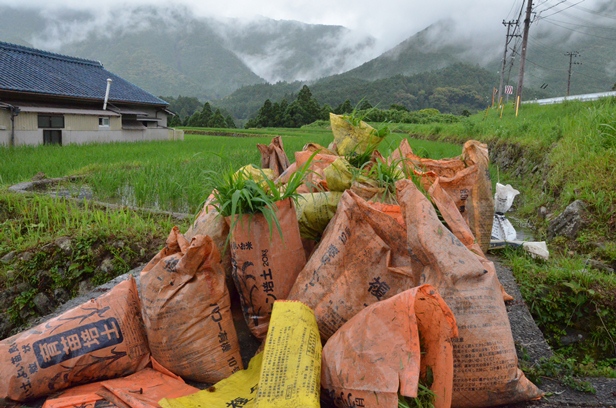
x=508 y=38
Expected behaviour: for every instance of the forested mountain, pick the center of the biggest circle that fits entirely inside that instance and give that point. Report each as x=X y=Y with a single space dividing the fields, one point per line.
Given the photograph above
x=452 y=89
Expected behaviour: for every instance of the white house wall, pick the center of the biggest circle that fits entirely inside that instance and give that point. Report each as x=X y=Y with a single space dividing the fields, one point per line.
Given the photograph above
x=80 y=129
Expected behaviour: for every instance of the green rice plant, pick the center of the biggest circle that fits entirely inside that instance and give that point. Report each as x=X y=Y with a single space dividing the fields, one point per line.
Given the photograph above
x=425 y=398
x=238 y=193
x=360 y=159
x=386 y=175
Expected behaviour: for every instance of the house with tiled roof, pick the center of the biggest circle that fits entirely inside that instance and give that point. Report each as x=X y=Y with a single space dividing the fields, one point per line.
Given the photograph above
x=50 y=98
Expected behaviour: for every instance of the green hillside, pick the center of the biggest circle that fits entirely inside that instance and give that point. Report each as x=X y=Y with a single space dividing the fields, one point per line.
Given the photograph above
x=453 y=89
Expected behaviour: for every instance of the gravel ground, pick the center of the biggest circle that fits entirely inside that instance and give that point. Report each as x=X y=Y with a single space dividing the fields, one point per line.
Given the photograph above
x=525 y=334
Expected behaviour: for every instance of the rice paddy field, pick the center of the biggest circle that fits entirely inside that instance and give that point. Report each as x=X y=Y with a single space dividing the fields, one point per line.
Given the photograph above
x=170 y=175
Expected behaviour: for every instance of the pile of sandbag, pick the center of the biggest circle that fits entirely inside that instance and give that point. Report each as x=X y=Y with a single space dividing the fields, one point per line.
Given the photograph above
x=371 y=288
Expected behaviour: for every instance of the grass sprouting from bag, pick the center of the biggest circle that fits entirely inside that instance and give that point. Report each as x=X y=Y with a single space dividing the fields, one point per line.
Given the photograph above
x=386 y=176
x=425 y=399
x=239 y=193
x=425 y=396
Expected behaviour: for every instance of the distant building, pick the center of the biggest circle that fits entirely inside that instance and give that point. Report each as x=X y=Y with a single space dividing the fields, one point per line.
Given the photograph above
x=56 y=99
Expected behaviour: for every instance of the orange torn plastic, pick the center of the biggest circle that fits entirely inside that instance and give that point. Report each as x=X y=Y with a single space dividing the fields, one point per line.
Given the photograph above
x=362 y=258
x=186 y=310
x=101 y=338
x=378 y=353
x=485 y=359
x=264 y=263
x=273 y=157
x=145 y=388
x=140 y=390
x=85 y=396
x=399 y=155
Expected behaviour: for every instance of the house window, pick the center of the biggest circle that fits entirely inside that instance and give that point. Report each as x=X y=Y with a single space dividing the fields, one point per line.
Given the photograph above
x=52 y=136
x=51 y=121
x=103 y=122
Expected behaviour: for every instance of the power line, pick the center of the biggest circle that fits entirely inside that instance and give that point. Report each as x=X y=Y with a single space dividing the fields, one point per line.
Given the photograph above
x=587 y=25
x=596 y=13
x=549 y=8
x=560 y=11
x=581 y=32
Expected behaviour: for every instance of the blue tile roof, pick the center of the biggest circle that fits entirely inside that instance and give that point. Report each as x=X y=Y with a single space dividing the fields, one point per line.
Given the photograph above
x=26 y=69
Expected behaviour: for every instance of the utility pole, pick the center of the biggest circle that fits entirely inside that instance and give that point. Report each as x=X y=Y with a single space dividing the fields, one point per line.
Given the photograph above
x=529 y=11
x=508 y=38
x=571 y=54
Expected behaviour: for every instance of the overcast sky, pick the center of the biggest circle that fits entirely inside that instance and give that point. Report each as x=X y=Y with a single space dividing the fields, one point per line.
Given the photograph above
x=388 y=21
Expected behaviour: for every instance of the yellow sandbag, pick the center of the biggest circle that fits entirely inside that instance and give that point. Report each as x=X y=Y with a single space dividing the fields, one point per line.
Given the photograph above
x=251 y=172
x=338 y=175
x=314 y=211
x=291 y=370
x=286 y=374
x=352 y=139
x=238 y=390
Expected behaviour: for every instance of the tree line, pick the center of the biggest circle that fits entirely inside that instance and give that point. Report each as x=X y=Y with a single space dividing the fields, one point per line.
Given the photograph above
x=190 y=112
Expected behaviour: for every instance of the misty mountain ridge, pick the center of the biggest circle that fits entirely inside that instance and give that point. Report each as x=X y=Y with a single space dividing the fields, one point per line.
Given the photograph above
x=169 y=51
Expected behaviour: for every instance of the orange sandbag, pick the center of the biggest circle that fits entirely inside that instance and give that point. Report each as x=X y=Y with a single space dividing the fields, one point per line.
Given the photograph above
x=209 y=222
x=399 y=155
x=377 y=353
x=315 y=178
x=362 y=258
x=485 y=359
x=393 y=210
x=102 y=338
x=273 y=157
x=265 y=262
x=459 y=226
x=480 y=208
x=441 y=167
x=186 y=310
x=284 y=177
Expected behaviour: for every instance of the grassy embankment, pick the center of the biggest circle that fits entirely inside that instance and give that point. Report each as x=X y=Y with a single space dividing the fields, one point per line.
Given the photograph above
x=555 y=155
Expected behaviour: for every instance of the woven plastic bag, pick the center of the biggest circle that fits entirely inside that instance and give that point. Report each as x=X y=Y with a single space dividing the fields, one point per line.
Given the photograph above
x=273 y=156
x=485 y=359
x=187 y=310
x=265 y=262
x=349 y=138
x=140 y=390
x=102 y=338
x=209 y=222
x=363 y=257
